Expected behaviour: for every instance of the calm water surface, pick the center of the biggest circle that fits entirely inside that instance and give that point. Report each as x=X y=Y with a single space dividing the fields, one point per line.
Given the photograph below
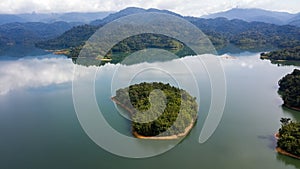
x=39 y=127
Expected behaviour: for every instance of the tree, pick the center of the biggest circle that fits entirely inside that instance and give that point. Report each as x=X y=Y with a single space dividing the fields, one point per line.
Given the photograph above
x=285 y=121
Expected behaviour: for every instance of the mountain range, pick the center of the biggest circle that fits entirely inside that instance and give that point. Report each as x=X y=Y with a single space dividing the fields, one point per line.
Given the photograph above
x=223 y=33
x=96 y=18
x=31 y=32
x=259 y=15
x=78 y=17
x=128 y=11
x=245 y=28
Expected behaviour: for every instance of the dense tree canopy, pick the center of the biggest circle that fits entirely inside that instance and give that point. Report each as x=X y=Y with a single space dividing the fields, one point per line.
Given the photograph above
x=222 y=33
x=72 y=38
x=154 y=113
x=130 y=45
x=144 y=41
x=290 y=54
x=289 y=136
x=289 y=89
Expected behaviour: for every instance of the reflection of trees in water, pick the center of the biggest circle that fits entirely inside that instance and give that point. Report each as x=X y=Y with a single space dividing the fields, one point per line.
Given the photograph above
x=292 y=113
x=271 y=141
x=285 y=63
x=91 y=54
x=288 y=160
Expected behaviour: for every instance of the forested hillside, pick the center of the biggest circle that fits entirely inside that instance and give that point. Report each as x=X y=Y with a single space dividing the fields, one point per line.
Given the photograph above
x=289 y=89
x=31 y=32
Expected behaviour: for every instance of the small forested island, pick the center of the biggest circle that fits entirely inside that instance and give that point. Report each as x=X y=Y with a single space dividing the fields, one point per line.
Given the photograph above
x=289 y=89
x=288 y=54
x=288 y=138
x=158 y=110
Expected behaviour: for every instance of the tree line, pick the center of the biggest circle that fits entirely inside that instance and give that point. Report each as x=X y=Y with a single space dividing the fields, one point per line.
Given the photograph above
x=288 y=54
x=289 y=89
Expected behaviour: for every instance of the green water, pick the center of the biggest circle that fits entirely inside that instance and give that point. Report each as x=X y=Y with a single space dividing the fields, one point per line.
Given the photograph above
x=39 y=126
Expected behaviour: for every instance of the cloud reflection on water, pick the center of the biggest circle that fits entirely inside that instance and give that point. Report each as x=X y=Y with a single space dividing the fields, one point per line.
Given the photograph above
x=39 y=72
x=34 y=72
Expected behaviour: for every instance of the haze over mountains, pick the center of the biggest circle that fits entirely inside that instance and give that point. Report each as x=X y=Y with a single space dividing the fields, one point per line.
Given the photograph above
x=78 y=17
x=246 y=14
x=260 y=15
x=128 y=11
x=238 y=28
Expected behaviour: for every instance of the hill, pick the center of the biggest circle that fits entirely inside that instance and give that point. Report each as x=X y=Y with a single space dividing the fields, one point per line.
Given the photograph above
x=74 y=37
x=31 y=32
x=75 y=17
x=289 y=89
x=254 y=14
x=8 y=18
x=221 y=31
x=128 y=11
x=295 y=20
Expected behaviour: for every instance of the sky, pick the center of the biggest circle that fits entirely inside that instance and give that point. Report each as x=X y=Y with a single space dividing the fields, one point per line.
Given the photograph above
x=183 y=7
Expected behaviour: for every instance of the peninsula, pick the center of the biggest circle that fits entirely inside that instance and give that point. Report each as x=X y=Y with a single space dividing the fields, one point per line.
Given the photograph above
x=287 y=56
x=288 y=138
x=289 y=89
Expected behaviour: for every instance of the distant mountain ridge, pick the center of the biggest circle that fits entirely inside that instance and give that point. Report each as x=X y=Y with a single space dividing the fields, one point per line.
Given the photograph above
x=259 y=15
x=7 y=18
x=221 y=31
x=295 y=20
x=129 y=11
x=79 y=17
x=27 y=34
x=99 y=18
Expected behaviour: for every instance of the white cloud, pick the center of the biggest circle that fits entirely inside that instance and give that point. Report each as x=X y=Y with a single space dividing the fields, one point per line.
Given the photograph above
x=184 y=7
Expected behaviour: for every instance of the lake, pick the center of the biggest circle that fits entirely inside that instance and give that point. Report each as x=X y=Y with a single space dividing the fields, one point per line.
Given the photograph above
x=39 y=126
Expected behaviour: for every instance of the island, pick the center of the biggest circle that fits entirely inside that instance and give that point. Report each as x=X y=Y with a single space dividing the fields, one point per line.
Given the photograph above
x=157 y=110
x=289 y=90
x=288 y=138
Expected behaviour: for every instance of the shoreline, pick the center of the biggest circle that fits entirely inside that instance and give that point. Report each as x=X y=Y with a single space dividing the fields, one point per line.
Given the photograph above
x=283 y=152
x=277 y=60
x=292 y=108
x=122 y=105
x=172 y=137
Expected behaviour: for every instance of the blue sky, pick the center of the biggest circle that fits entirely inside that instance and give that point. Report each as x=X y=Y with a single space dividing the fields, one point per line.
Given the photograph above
x=184 y=7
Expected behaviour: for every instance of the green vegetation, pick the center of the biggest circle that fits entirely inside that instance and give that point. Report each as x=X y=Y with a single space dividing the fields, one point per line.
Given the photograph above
x=289 y=89
x=28 y=34
x=73 y=38
x=144 y=41
x=222 y=33
x=130 y=45
x=289 y=136
x=157 y=108
x=248 y=35
x=288 y=54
